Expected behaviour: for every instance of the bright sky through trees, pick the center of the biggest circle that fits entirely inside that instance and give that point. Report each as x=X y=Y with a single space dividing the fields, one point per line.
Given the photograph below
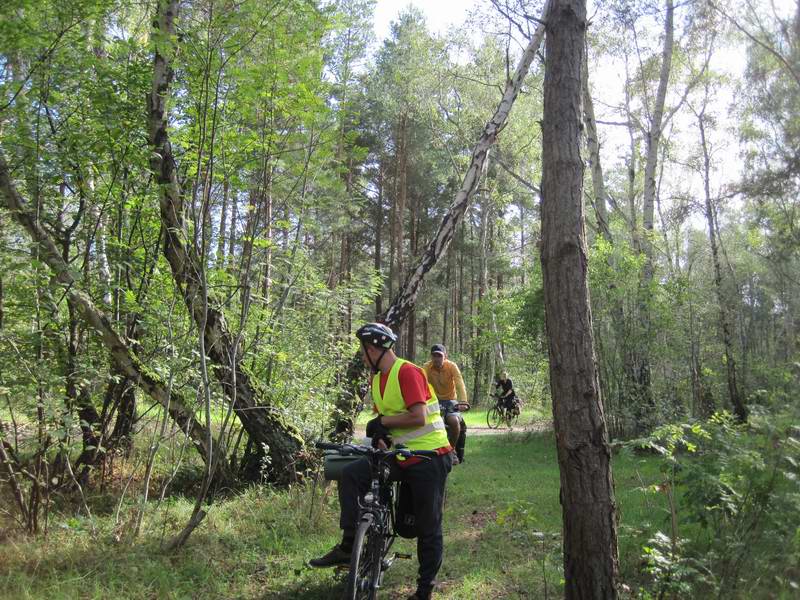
x=445 y=13
x=440 y=14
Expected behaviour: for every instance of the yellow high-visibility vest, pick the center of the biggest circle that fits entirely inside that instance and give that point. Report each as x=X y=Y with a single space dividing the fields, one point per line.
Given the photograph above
x=430 y=436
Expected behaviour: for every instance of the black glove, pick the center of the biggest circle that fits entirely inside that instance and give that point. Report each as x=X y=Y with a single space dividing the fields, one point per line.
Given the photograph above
x=377 y=432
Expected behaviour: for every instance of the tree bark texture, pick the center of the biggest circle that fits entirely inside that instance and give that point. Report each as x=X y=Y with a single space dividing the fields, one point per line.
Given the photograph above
x=587 y=493
x=266 y=428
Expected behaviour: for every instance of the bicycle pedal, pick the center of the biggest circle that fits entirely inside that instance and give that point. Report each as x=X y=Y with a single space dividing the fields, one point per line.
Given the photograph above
x=401 y=555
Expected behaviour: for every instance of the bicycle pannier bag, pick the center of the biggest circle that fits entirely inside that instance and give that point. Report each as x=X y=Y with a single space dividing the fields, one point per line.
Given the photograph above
x=405 y=522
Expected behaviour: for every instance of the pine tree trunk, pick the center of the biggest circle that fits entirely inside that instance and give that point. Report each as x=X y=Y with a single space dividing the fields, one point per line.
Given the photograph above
x=587 y=493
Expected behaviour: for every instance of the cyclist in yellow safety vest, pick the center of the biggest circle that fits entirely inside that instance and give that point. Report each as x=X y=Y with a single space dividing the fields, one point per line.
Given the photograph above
x=445 y=377
x=407 y=414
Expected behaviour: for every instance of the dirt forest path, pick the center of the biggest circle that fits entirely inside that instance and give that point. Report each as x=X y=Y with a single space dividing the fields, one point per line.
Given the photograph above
x=530 y=427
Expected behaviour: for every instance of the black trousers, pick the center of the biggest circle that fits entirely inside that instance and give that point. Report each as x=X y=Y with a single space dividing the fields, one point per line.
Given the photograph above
x=427 y=480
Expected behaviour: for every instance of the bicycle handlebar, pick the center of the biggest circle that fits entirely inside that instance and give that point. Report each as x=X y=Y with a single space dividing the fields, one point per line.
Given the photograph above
x=346 y=449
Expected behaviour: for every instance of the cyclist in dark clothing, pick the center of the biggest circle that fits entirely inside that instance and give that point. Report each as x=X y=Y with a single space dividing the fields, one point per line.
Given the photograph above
x=407 y=413
x=505 y=392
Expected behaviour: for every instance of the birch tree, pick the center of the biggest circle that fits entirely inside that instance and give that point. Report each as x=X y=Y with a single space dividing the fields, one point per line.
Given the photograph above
x=269 y=432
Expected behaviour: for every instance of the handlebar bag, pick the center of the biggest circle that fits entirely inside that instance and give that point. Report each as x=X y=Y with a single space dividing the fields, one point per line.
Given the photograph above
x=334 y=463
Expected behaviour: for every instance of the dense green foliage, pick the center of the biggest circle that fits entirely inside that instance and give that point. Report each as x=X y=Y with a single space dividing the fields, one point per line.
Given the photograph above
x=734 y=504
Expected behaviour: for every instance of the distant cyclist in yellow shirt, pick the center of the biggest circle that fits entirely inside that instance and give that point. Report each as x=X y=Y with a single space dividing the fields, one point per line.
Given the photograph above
x=445 y=377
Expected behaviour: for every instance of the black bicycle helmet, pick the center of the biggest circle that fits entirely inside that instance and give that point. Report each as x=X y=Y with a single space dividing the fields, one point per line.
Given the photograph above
x=377 y=334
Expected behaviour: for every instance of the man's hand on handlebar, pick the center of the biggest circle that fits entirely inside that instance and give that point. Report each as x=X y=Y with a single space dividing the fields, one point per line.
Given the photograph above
x=381 y=438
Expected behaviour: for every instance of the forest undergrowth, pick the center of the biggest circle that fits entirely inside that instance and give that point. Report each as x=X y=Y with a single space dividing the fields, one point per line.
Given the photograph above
x=502 y=528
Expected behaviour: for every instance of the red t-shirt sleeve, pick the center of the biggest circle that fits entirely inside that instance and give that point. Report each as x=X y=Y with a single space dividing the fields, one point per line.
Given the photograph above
x=413 y=384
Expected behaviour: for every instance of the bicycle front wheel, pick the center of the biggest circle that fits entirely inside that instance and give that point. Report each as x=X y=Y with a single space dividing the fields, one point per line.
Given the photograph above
x=493 y=417
x=365 y=563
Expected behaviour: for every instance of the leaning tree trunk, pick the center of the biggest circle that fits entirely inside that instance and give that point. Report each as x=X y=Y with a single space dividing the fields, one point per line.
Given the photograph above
x=121 y=354
x=267 y=429
x=406 y=298
x=587 y=491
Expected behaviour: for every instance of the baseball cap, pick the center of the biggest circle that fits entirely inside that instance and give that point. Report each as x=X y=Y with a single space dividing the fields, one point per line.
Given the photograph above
x=438 y=349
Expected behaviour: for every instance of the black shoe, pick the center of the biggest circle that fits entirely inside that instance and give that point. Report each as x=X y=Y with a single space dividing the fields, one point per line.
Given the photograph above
x=334 y=558
x=421 y=594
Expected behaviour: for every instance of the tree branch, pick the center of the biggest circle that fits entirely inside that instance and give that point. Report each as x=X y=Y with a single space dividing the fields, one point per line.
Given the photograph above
x=122 y=355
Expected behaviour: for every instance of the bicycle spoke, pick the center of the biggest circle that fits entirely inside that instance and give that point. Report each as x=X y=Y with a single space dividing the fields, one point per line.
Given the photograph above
x=365 y=564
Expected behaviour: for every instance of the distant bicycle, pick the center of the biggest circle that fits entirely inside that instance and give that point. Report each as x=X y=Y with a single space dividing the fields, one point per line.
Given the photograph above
x=503 y=412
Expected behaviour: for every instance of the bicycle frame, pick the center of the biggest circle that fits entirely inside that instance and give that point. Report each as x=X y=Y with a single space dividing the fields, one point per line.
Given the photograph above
x=375 y=532
x=379 y=502
x=503 y=413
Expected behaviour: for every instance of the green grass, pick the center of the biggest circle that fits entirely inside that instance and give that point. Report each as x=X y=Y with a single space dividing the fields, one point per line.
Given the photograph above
x=476 y=416
x=502 y=538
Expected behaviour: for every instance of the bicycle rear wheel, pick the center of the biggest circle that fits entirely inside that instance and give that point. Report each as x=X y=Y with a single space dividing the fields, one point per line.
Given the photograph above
x=493 y=417
x=365 y=563
x=512 y=418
